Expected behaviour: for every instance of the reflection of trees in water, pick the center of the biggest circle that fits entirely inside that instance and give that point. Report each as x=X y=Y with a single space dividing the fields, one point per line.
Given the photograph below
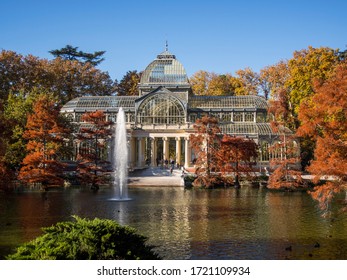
x=222 y=223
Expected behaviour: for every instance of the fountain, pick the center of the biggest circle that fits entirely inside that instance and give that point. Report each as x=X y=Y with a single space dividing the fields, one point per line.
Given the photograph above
x=120 y=159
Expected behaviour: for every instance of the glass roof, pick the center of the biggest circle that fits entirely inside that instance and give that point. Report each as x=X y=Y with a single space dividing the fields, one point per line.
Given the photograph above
x=165 y=69
x=247 y=128
x=100 y=103
x=245 y=101
x=199 y=102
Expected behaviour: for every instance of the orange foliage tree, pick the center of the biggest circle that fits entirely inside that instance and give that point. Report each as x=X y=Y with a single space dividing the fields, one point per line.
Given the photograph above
x=205 y=143
x=285 y=161
x=324 y=118
x=220 y=159
x=286 y=151
x=92 y=166
x=236 y=157
x=45 y=131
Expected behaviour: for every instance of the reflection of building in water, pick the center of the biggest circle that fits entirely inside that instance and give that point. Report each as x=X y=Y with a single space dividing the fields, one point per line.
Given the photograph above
x=160 y=119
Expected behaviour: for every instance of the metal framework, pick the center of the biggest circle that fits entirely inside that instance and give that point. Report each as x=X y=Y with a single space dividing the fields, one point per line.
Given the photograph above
x=164 y=70
x=103 y=103
x=161 y=117
x=161 y=109
x=247 y=128
x=244 y=102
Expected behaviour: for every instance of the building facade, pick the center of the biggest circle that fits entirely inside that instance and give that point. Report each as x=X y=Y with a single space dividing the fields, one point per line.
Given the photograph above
x=160 y=119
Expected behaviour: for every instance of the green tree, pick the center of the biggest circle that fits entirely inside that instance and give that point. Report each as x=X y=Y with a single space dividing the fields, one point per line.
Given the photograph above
x=84 y=239
x=16 y=111
x=71 y=53
x=343 y=55
x=129 y=84
x=6 y=174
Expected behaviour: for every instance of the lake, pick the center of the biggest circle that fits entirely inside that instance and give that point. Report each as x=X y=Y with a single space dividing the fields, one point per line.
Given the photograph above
x=249 y=223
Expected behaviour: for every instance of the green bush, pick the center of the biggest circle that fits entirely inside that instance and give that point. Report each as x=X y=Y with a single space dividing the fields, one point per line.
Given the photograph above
x=85 y=239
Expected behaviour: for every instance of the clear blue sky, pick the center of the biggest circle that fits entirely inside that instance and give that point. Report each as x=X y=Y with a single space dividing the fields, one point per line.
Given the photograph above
x=219 y=36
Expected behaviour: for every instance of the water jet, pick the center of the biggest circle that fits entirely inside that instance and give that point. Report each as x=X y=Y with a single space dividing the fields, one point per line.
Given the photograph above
x=120 y=159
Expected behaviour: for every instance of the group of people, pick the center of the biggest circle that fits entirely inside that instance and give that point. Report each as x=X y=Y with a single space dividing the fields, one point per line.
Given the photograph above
x=167 y=164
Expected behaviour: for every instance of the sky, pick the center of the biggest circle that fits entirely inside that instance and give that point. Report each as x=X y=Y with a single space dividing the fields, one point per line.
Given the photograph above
x=216 y=36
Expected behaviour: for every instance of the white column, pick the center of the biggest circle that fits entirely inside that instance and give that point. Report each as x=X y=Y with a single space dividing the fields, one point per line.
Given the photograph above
x=153 y=151
x=165 y=148
x=139 y=152
x=132 y=152
x=187 y=155
x=178 y=150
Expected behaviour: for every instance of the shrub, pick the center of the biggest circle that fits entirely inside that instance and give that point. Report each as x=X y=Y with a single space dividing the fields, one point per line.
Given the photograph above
x=84 y=239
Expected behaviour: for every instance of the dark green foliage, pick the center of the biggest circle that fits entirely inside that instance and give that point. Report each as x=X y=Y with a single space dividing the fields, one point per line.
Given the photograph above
x=70 y=53
x=342 y=55
x=84 y=239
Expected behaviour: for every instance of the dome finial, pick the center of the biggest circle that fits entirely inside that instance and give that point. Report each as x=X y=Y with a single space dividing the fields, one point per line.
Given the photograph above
x=166 y=46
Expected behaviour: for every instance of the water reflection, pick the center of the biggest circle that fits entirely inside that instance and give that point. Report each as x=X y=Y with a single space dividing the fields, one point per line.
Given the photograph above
x=198 y=224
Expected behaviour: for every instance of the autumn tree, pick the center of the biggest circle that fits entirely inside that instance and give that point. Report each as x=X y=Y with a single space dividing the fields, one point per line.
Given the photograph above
x=91 y=159
x=71 y=79
x=129 y=84
x=16 y=111
x=220 y=159
x=249 y=82
x=236 y=157
x=21 y=77
x=272 y=80
x=11 y=72
x=200 y=82
x=64 y=79
x=324 y=118
x=246 y=82
x=291 y=82
x=71 y=53
x=285 y=160
x=45 y=131
x=285 y=151
x=224 y=84
x=210 y=83
x=206 y=142
x=306 y=66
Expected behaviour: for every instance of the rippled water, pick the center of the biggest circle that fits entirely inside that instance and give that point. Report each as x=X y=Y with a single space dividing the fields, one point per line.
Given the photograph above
x=189 y=224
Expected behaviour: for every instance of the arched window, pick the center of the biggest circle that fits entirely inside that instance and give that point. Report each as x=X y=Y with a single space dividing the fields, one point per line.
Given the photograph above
x=161 y=109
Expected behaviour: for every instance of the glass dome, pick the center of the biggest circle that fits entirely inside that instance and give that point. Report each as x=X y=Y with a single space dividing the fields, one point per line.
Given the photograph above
x=165 y=69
